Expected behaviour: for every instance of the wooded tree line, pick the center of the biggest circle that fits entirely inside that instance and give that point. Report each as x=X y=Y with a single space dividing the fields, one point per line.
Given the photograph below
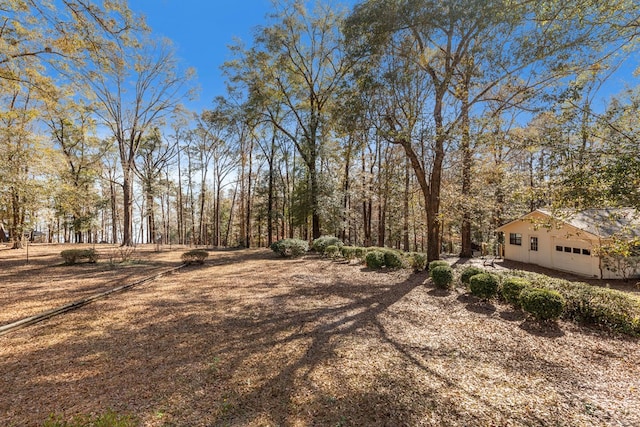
x=416 y=124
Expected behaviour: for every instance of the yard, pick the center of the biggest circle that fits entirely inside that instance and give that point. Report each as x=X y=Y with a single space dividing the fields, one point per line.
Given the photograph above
x=253 y=340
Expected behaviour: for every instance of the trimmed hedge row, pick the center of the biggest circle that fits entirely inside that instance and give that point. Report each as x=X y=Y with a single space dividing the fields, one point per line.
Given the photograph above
x=607 y=308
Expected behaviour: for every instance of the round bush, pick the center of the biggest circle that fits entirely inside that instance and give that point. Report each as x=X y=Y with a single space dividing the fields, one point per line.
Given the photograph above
x=321 y=243
x=393 y=259
x=194 y=256
x=543 y=304
x=71 y=256
x=290 y=247
x=442 y=276
x=418 y=261
x=436 y=263
x=484 y=285
x=374 y=259
x=332 y=251
x=511 y=289
x=468 y=272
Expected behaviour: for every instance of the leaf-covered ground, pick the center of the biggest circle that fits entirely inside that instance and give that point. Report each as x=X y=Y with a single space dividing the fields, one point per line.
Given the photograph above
x=252 y=340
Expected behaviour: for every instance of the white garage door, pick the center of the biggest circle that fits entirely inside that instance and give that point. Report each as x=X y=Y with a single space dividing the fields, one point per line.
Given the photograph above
x=573 y=256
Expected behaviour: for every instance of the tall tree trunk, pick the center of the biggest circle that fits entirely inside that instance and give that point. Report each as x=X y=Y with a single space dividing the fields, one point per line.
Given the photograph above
x=467 y=166
x=270 y=198
x=247 y=235
x=345 y=193
x=315 y=203
x=180 y=204
x=216 y=216
x=151 y=221
x=225 y=241
x=366 y=203
x=127 y=202
x=405 y=207
x=191 y=202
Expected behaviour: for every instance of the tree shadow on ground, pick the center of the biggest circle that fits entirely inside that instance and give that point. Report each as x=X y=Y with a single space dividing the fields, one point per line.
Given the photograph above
x=258 y=354
x=477 y=305
x=542 y=329
x=513 y=315
x=439 y=292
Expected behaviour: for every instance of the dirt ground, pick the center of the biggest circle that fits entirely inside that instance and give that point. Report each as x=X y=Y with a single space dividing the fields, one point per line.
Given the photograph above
x=253 y=340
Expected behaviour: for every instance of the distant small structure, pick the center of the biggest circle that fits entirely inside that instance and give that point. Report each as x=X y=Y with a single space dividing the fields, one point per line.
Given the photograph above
x=574 y=241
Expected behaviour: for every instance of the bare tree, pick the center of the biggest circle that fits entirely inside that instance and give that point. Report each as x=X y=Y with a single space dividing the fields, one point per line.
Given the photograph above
x=135 y=90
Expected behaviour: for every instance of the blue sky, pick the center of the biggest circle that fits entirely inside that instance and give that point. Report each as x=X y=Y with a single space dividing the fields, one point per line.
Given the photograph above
x=201 y=30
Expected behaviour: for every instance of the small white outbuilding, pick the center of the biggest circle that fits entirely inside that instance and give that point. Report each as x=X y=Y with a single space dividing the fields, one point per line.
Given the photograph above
x=571 y=241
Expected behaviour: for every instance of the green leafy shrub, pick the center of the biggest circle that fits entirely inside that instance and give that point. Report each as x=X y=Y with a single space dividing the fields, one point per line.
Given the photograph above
x=321 y=243
x=290 y=247
x=353 y=252
x=543 y=304
x=468 y=272
x=332 y=251
x=484 y=285
x=436 y=263
x=511 y=288
x=374 y=259
x=442 y=276
x=593 y=305
x=361 y=252
x=608 y=308
x=72 y=256
x=393 y=259
x=194 y=256
x=418 y=261
x=348 y=252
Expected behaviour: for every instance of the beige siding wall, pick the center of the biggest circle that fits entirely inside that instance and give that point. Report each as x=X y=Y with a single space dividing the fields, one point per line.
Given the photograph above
x=565 y=248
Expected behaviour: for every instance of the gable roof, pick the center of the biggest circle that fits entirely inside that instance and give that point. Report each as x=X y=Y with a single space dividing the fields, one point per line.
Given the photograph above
x=604 y=223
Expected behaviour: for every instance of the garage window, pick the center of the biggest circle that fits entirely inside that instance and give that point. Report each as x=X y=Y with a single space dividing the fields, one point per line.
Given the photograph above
x=515 y=239
x=576 y=250
x=559 y=248
x=567 y=249
x=586 y=252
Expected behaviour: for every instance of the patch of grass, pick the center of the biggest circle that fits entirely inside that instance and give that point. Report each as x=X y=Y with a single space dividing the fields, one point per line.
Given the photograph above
x=213 y=367
x=109 y=418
